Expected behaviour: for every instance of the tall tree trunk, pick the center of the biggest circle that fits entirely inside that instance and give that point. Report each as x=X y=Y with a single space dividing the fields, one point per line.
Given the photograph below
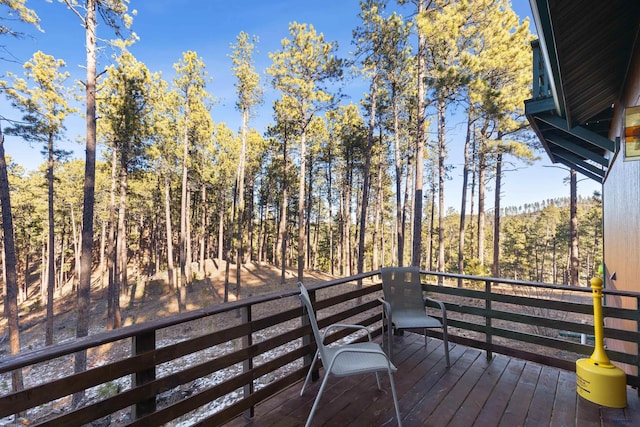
x=188 y=242
x=11 y=276
x=77 y=251
x=482 y=169
x=221 y=232
x=420 y=138
x=308 y=211
x=51 y=264
x=375 y=260
x=203 y=230
x=330 y=219
x=121 y=246
x=347 y=225
x=167 y=215
x=573 y=230
x=183 y=217
x=397 y=160
x=248 y=217
x=301 y=203
x=365 y=174
x=281 y=245
x=84 y=286
x=240 y=201
x=432 y=222
x=112 y=287
x=496 y=219
x=474 y=156
x=405 y=209
x=44 y=267
x=463 y=202
x=442 y=155
x=63 y=245
x=103 y=248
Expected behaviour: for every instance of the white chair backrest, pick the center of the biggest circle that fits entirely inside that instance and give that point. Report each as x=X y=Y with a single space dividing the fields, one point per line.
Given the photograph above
x=402 y=288
x=306 y=300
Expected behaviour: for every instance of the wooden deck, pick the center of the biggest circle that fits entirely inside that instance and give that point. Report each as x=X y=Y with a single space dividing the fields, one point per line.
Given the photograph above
x=473 y=392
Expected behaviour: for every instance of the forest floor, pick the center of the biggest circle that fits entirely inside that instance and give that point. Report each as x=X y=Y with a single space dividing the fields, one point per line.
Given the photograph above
x=148 y=301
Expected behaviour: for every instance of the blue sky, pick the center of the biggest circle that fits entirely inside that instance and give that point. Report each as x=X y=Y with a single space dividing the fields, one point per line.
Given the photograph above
x=167 y=28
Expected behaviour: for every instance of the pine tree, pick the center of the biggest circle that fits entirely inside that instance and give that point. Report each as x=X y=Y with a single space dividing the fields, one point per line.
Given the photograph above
x=45 y=106
x=300 y=72
x=249 y=95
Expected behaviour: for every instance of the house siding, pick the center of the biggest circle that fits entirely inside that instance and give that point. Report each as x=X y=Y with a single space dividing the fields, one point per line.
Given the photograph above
x=621 y=210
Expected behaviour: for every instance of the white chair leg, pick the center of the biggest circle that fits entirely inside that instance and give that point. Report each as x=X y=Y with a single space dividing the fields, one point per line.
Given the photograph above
x=390 y=341
x=445 y=342
x=395 y=398
x=313 y=362
x=315 y=402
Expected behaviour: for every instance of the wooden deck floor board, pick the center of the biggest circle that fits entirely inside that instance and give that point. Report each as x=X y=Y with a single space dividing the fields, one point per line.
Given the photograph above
x=477 y=398
x=564 y=405
x=473 y=392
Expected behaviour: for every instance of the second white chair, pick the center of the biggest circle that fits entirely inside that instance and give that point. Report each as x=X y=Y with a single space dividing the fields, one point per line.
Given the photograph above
x=347 y=359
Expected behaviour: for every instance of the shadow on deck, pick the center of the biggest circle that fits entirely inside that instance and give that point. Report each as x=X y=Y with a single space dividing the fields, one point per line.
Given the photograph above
x=473 y=392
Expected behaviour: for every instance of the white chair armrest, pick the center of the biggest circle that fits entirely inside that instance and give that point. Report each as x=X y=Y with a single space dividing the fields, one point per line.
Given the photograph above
x=344 y=326
x=442 y=308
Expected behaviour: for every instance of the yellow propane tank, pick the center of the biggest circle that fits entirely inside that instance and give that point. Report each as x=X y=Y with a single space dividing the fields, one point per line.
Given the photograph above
x=597 y=380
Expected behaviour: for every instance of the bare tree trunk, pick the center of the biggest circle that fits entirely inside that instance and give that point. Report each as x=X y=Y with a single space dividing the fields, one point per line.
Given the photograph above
x=573 y=230
x=347 y=225
x=405 y=211
x=366 y=178
x=77 y=251
x=84 y=287
x=301 y=202
x=496 y=219
x=221 y=232
x=51 y=266
x=248 y=217
x=375 y=262
x=203 y=230
x=183 y=217
x=11 y=276
x=472 y=245
x=418 y=184
x=121 y=250
x=308 y=210
x=482 y=168
x=188 y=242
x=103 y=248
x=112 y=293
x=281 y=245
x=463 y=202
x=442 y=155
x=169 y=231
x=240 y=200
x=44 y=267
x=400 y=215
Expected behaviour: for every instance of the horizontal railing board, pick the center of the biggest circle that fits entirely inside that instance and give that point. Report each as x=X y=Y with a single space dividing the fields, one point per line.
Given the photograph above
x=357 y=304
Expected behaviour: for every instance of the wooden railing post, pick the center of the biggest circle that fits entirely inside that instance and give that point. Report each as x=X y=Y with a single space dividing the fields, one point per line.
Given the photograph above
x=141 y=344
x=247 y=364
x=487 y=317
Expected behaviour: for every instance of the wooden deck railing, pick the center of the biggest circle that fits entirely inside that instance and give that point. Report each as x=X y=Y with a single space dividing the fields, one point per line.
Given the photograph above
x=230 y=357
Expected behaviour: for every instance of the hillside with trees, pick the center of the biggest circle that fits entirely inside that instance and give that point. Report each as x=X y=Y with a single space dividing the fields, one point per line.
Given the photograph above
x=169 y=193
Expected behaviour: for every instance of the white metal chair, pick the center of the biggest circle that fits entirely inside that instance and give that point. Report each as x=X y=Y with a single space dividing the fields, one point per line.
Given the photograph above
x=347 y=359
x=404 y=306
